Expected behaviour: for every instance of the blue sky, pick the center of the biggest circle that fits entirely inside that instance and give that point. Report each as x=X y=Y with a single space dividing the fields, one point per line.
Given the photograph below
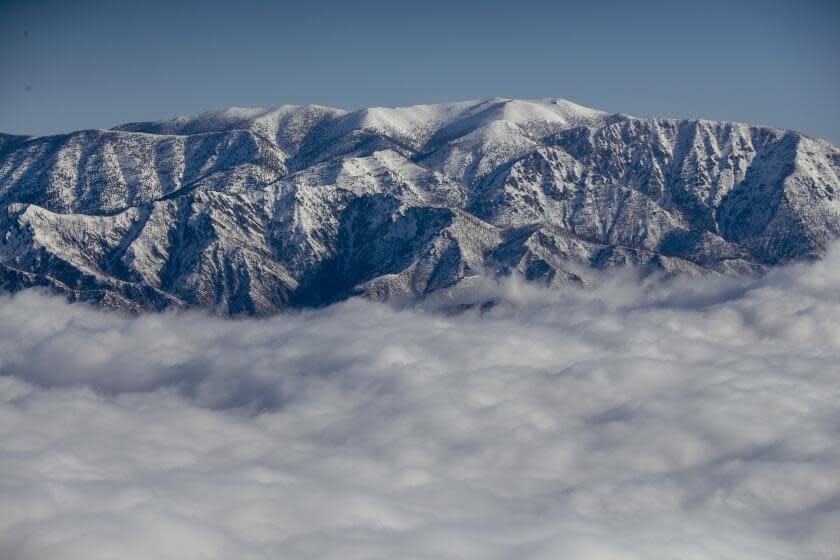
x=95 y=64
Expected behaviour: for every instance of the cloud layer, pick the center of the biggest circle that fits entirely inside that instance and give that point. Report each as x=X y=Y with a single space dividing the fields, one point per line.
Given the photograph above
x=689 y=419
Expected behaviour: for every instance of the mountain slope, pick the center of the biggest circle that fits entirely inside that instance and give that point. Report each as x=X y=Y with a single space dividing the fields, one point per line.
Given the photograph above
x=247 y=211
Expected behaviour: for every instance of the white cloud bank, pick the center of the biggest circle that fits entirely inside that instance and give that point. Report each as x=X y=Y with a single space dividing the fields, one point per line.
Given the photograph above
x=697 y=419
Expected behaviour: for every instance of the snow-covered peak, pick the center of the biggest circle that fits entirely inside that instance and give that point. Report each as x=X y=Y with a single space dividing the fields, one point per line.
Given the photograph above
x=236 y=118
x=251 y=210
x=551 y=109
x=415 y=125
x=419 y=124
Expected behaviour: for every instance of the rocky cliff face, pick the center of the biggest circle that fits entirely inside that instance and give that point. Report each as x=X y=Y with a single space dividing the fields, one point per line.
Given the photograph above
x=249 y=211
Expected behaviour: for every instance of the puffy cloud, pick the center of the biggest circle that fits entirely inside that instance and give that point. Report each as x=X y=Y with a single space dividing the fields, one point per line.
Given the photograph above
x=689 y=418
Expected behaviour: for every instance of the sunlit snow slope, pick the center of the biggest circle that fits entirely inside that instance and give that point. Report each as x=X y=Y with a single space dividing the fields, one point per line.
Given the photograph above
x=247 y=211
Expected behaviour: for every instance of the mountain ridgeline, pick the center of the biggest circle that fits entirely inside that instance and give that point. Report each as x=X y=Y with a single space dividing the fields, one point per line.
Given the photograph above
x=250 y=211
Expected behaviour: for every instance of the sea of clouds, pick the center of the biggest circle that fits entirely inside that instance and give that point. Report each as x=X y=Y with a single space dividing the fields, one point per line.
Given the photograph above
x=685 y=419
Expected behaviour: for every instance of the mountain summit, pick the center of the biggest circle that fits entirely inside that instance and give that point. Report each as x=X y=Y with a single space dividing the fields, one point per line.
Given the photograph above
x=248 y=211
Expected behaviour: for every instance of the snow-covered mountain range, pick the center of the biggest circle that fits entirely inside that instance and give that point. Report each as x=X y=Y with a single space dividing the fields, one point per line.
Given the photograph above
x=247 y=211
